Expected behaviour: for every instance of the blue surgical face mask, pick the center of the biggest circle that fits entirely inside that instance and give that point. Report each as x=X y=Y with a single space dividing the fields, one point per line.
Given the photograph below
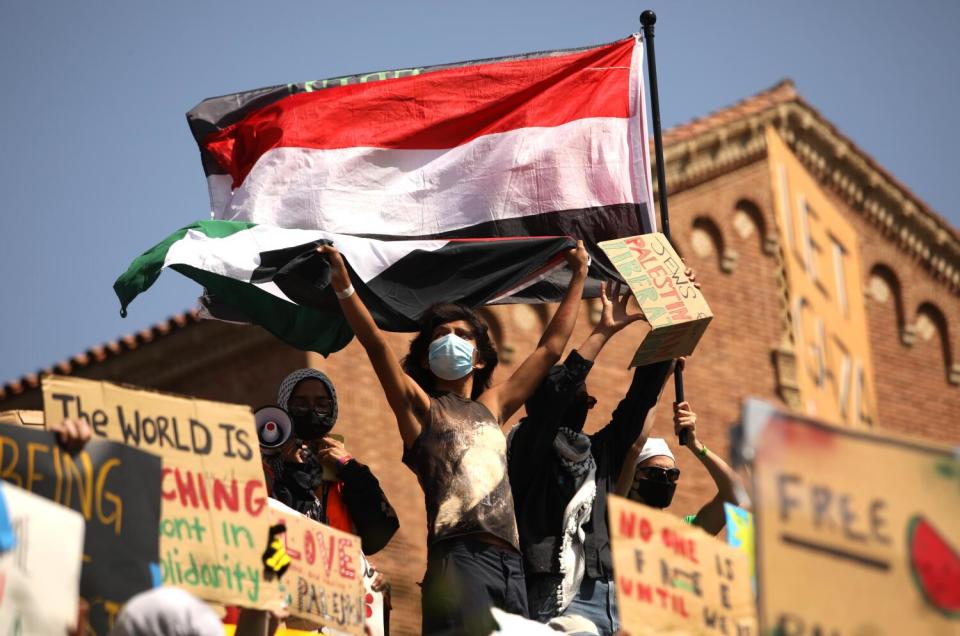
x=451 y=357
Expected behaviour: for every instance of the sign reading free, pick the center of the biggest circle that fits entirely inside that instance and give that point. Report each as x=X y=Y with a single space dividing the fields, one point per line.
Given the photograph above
x=214 y=521
x=676 y=310
x=856 y=532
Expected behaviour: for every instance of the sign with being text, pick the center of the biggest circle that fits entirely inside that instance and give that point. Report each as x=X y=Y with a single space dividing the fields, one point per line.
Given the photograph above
x=856 y=532
x=116 y=490
x=214 y=522
x=324 y=582
x=677 y=312
x=674 y=578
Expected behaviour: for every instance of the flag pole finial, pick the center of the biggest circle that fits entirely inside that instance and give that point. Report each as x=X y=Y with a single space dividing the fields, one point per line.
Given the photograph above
x=648 y=18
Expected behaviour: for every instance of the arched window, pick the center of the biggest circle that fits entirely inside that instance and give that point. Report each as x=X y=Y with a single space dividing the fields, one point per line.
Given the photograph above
x=706 y=242
x=930 y=324
x=883 y=287
x=748 y=223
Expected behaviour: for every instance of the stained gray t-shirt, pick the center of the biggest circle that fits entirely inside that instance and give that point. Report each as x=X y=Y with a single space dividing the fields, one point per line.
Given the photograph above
x=460 y=459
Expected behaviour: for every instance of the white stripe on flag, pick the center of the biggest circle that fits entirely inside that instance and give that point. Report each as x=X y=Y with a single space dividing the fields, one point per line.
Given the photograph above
x=529 y=171
x=238 y=255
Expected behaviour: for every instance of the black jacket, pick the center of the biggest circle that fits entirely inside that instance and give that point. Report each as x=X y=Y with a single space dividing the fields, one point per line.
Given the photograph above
x=373 y=516
x=541 y=489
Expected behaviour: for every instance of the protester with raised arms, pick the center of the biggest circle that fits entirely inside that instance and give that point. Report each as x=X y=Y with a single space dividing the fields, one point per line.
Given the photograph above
x=561 y=478
x=449 y=419
x=650 y=474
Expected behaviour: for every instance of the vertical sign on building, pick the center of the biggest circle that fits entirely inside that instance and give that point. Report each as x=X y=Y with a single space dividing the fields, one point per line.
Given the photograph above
x=821 y=261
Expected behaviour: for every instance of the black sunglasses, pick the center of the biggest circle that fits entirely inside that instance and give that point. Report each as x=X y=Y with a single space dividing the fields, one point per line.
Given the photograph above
x=655 y=473
x=300 y=406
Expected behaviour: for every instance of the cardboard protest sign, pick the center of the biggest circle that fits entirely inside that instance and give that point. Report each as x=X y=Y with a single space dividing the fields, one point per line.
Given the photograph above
x=676 y=310
x=40 y=567
x=856 y=532
x=674 y=578
x=214 y=524
x=117 y=491
x=377 y=615
x=22 y=418
x=324 y=581
x=740 y=535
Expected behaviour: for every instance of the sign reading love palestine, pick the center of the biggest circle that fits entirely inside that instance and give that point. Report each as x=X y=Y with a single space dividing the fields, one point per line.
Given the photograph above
x=214 y=522
x=674 y=578
x=676 y=310
x=324 y=581
x=856 y=532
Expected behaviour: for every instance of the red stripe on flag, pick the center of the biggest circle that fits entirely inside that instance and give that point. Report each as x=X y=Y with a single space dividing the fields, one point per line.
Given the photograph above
x=436 y=110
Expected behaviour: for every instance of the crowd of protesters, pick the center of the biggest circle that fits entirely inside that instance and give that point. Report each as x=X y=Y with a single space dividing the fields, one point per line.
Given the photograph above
x=517 y=528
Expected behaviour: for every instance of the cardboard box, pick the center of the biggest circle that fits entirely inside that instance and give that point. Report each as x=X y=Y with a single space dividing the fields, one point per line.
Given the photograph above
x=676 y=310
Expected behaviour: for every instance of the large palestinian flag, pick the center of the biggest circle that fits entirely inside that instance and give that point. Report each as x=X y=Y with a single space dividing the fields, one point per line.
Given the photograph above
x=544 y=144
x=273 y=276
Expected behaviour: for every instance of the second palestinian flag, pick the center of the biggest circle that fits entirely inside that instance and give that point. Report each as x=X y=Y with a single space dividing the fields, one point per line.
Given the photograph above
x=273 y=277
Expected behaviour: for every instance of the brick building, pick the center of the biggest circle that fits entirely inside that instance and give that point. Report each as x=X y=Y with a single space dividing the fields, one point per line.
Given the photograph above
x=832 y=287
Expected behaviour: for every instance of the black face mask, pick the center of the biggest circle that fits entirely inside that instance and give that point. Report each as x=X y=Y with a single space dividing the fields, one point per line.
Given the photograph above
x=656 y=494
x=311 y=425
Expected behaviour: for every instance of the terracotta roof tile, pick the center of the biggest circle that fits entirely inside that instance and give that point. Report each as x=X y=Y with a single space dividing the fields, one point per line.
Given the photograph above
x=783 y=92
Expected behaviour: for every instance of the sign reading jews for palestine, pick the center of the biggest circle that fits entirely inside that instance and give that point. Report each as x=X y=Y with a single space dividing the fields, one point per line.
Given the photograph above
x=676 y=310
x=674 y=578
x=324 y=582
x=214 y=525
x=856 y=533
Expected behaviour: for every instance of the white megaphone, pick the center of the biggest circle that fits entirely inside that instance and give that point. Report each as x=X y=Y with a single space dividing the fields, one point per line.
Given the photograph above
x=274 y=428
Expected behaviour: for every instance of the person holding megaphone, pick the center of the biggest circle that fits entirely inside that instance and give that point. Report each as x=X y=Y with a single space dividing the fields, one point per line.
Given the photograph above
x=310 y=470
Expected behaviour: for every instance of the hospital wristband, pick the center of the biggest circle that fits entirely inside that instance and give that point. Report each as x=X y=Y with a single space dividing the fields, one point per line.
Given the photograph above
x=346 y=293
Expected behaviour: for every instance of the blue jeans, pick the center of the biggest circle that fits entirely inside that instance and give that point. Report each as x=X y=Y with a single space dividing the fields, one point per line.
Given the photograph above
x=596 y=601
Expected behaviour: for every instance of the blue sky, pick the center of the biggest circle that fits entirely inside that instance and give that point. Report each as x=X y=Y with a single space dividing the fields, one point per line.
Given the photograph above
x=98 y=164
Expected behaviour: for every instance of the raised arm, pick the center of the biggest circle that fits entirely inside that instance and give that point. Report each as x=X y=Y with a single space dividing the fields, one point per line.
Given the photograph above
x=614 y=316
x=505 y=398
x=730 y=489
x=408 y=401
x=623 y=438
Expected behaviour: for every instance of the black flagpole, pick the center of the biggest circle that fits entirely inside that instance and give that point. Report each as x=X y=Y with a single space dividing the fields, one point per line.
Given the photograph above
x=647 y=19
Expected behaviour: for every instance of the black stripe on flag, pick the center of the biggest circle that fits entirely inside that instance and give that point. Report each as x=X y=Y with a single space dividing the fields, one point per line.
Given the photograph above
x=471 y=272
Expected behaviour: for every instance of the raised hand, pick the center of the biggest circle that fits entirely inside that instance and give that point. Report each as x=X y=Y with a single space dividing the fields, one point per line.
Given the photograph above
x=332 y=454
x=72 y=434
x=614 y=314
x=577 y=258
x=339 y=276
x=684 y=419
x=692 y=275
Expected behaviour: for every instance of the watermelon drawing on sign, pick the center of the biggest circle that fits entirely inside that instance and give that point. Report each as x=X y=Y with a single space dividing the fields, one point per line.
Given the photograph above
x=935 y=566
